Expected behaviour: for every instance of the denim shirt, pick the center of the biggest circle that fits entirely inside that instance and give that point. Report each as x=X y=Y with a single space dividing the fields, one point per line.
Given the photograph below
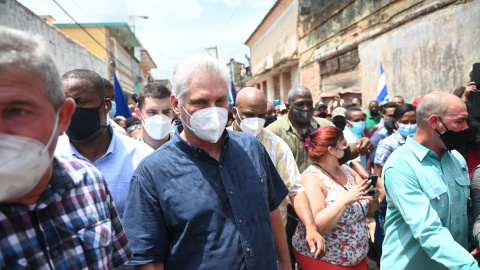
x=189 y=211
x=426 y=226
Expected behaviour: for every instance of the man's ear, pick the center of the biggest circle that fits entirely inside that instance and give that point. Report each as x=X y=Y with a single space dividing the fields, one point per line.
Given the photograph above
x=108 y=105
x=234 y=113
x=434 y=121
x=65 y=113
x=175 y=104
x=138 y=114
x=348 y=123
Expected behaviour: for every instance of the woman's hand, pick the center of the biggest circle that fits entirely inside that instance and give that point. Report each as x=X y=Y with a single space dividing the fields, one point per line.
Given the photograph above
x=359 y=192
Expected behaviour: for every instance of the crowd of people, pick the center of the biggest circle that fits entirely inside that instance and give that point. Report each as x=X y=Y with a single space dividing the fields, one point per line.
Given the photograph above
x=183 y=185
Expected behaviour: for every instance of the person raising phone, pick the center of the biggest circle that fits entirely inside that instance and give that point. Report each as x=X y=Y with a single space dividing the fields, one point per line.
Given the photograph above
x=339 y=200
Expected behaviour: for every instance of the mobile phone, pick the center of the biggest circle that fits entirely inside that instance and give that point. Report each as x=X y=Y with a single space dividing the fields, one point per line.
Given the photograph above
x=374 y=179
x=475 y=75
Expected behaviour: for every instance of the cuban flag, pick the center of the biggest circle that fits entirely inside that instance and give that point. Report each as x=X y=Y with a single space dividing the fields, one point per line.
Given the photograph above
x=382 y=94
x=232 y=94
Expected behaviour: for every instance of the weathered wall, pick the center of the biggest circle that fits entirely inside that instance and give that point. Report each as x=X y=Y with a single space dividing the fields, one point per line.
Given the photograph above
x=434 y=52
x=68 y=54
x=278 y=43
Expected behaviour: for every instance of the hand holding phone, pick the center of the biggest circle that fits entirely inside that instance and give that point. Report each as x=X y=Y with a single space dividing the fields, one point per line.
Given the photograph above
x=373 y=178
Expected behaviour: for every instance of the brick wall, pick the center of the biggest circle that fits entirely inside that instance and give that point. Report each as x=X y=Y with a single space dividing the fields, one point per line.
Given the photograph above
x=311 y=79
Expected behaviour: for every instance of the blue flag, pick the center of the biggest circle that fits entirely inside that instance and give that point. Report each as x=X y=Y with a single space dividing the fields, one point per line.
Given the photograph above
x=232 y=94
x=382 y=94
x=120 y=100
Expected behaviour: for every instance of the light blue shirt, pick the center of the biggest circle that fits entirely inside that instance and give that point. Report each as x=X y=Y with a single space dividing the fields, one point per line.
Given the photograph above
x=117 y=164
x=352 y=137
x=427 y=224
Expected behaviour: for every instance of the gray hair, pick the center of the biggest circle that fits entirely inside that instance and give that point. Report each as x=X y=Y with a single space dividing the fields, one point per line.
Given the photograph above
x=296 y=90
x=432 y=103
x=197 y=64
x=29 y=52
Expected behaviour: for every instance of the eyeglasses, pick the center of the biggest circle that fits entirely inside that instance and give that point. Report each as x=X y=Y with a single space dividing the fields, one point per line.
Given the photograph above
x=132 y=128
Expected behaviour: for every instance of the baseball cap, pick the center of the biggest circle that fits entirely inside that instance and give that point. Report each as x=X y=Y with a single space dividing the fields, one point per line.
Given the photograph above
x=339 y=111
x=320 y=104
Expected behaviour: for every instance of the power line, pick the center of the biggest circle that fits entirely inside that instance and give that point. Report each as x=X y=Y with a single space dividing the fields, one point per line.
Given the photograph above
x=88 y=33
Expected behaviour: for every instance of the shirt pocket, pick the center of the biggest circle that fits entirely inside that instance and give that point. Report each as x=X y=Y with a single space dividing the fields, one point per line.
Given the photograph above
x=463 y=186
x=437 y=194
x=97 y=243
x=257 y=181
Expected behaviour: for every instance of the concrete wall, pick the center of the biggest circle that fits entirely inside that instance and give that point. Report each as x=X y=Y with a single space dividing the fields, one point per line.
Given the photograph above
x=434 y=52
x=68 y=54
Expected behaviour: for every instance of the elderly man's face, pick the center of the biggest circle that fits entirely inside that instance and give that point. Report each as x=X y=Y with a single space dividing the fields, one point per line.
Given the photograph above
x=26 y=110
x=206 y=90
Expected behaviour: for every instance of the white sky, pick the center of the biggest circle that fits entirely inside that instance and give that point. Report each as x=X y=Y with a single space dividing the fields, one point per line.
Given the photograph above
x=175 y=29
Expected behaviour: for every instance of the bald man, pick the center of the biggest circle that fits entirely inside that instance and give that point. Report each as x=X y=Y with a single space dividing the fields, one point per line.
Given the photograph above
x=250 y=113
x=427 y=189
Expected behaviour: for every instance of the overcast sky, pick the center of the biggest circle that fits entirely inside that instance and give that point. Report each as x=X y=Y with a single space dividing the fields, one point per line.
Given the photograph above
x=175 y=29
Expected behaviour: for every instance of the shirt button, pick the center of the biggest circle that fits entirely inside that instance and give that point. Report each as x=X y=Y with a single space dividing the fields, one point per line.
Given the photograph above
x=231 y=192
x=199 y=151
x=55 y=253
x=247 y=249
x=261 y=181
x=240 y=221
x=196 y=155
x=220 y=166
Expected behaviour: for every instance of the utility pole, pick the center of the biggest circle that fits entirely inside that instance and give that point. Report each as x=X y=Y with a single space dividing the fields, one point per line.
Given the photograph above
x=213 y=48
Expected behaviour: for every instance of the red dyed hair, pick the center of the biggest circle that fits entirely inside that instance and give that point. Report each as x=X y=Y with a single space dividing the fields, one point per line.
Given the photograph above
x=322 y=138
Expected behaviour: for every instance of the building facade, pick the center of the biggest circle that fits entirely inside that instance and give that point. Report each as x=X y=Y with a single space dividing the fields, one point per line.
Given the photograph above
x=274 y=61
x=336 y=47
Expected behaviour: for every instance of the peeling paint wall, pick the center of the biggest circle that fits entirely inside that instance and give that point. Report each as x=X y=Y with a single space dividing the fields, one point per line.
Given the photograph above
x=434 y=52
x=279 y=43
x=68 y=54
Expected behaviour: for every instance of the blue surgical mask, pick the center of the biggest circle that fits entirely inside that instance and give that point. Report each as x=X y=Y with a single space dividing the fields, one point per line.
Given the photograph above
x=358 y=127
x=113 y=110
x=406 y=130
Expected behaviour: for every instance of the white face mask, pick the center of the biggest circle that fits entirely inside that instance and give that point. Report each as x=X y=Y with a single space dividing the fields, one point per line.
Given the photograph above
x=251 y=125
x=157 y=126
x=22 y=163
x=209 y=123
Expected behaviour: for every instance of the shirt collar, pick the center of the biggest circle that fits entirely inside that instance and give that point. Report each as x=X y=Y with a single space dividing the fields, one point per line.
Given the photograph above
x=419 y=150
x=111 y=147
x=192 y=149
x=399 y=137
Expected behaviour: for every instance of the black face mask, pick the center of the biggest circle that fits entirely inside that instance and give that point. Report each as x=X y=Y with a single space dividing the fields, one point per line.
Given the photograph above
x=322 y=115
x=346 y=157
x=269 y=120
x=374 y=112
x=455 y=140
x=389 y=123
x=84 y=123
x=302 y=116
x=340 y=124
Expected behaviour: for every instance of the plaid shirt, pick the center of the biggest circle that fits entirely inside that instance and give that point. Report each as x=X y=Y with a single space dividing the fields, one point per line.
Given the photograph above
x=73 y=225
x=386 y=146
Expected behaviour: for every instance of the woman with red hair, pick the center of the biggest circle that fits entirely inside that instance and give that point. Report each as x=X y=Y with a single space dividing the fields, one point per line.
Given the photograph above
x=339 y=200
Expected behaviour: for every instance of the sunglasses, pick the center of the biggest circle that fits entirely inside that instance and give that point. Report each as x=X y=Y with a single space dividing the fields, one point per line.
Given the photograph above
x=132 y=128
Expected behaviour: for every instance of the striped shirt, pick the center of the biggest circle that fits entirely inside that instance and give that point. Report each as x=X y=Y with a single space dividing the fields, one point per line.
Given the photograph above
x=73 y=225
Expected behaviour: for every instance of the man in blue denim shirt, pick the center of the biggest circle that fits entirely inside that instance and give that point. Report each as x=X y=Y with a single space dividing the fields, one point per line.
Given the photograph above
x=427 y=188
x=208 y=198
